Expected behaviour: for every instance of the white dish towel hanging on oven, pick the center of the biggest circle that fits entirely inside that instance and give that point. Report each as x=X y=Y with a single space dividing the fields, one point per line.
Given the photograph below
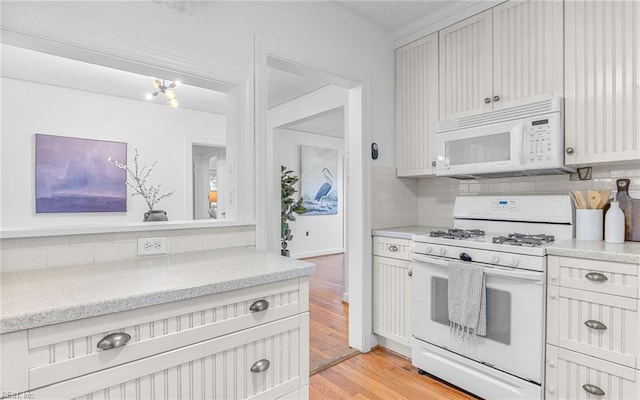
x=467 y=300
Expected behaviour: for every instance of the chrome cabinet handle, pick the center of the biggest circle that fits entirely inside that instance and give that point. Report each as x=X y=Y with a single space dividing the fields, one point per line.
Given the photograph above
x=593 y=389
x=496 y=98
x=113 y=341
x=259 y=305
x=593 y=324
x=596 y=277
x=487 y=100
x=410 y=273
x=260 y=366
x=569 y=150
x=393 y=248
x=433 y=163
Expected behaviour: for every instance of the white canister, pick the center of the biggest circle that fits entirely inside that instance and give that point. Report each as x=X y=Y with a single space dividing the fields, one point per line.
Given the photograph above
x=589 y=224
x=614 y=224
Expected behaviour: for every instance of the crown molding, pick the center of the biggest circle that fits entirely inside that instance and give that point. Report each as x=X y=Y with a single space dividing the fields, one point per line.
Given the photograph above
x=441 y=18
x=34 y=33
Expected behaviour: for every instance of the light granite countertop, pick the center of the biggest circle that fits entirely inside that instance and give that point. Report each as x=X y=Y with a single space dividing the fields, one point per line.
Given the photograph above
x=34 y=298
x=404 y=232
x=628 y=252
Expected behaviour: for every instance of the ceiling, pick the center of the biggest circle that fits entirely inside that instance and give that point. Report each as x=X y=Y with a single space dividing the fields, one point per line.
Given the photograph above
x=393 y=15
x=283 y=86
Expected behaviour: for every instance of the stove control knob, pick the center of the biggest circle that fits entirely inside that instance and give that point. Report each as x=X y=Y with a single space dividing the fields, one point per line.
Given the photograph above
x=495 y=258
x=428 y=249
x=441 y=251
x=514 y=261
x=465 y=257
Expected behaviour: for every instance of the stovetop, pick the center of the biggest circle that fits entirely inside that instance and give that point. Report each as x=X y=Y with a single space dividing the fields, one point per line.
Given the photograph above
x=515 y=243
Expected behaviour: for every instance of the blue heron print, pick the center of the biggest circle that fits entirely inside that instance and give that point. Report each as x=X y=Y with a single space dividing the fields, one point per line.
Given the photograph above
x=319 y=179
x=325 y=188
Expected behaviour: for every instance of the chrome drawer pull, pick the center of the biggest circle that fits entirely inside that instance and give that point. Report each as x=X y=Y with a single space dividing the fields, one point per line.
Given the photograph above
x=393 y=248
x=259 y=305
x=595 y=324
x=593 y=389
x=595 y=277
x=260 y=366
x=113 y=341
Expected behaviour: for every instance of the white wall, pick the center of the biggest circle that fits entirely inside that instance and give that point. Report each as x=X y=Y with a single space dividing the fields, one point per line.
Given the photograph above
x=159 y=132
x=325 y=232
x=436 y=195
x=318 y=34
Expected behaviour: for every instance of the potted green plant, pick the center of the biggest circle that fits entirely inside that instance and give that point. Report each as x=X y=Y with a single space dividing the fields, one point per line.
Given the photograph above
x=289 y=207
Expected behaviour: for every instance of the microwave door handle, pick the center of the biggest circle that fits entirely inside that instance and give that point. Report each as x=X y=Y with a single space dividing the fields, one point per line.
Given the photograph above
x=518 y=134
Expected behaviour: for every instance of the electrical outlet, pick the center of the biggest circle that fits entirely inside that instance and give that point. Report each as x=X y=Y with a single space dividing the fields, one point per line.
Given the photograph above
x=151 y=246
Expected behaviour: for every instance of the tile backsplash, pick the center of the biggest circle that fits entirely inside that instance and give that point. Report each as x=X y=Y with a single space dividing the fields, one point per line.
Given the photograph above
x=55 y=251
x=429 y=201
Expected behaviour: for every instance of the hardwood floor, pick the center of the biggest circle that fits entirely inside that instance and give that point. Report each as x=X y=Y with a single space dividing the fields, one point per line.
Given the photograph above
x=329 y=316
x=339 y=372
x=381 y=375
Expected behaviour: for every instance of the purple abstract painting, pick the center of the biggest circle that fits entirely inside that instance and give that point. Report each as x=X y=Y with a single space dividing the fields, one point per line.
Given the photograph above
x=74 y=175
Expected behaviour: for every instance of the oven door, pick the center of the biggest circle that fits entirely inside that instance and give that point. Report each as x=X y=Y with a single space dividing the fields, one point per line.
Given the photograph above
x=493 y=148
x=515 y=316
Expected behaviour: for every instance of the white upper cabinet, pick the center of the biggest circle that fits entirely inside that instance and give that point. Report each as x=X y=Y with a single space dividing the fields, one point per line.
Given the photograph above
x=416 y=107
x=503 y=57
x=602 y=81
x=465 y=67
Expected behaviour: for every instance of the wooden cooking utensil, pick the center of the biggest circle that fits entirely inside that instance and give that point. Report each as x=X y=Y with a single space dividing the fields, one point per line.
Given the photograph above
x=594 y=199
x=582 y=202
x=604 y=197
x=631 y=209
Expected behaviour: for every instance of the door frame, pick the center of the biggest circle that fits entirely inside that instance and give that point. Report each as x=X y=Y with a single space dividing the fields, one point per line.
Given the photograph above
x=357 y=174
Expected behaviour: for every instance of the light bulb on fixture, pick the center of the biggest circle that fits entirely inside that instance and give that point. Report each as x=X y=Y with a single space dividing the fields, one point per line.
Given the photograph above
x=170 y=94
x=167 y=90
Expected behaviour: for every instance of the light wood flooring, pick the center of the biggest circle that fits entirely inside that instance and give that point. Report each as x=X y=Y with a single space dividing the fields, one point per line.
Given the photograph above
x=339 y=372
x=379 y=375
x=329 y=316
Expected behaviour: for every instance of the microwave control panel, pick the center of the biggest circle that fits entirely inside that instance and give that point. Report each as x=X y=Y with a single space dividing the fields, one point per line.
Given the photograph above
x=542 y=140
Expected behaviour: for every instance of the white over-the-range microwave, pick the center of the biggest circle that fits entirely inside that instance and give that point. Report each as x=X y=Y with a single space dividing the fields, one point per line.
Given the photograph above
x=518 y=141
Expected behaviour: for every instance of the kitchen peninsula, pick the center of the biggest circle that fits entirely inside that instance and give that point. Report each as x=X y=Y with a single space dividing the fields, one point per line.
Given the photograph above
x=158 y=323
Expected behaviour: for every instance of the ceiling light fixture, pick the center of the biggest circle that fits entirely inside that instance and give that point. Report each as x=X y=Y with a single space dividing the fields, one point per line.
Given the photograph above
x=166 y=89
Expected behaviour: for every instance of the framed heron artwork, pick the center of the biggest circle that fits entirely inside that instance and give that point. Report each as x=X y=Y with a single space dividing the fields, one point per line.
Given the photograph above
x=319 y=180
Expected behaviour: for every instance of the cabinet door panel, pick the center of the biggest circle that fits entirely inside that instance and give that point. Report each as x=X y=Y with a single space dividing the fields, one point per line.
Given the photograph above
x=392 y=299
x=465 y=67
x=527 y=52
x=215 y=369
x=602 y=88
x=416 y=106
x=568 y=371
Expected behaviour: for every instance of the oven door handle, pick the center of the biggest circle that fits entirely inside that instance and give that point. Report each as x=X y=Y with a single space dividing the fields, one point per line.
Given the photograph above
x=507 y=273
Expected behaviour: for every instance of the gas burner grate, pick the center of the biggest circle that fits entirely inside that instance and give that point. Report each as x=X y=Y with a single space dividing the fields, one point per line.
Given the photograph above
x=521 y=239
x=457 y=233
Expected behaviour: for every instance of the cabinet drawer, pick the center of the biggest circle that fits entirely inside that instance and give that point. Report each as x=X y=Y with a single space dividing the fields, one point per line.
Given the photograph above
x=392 y=247
x=620 y=279
x=64 y=351
x=214 y=369
x=567 y=372
x=614 y=331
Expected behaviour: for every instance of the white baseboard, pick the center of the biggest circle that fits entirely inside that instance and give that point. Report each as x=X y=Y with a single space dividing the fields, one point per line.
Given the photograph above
x=345 y=297
x=317 y=253
x=394 y=346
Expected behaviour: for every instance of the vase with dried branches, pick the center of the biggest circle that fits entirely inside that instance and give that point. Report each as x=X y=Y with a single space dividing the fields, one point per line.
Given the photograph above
x=289 y=207
x=137 y=181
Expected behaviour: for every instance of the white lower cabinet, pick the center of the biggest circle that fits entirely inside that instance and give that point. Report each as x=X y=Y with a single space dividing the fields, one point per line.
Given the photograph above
x=260 y=363
x=593 y=330
x=572 y=375
x=241 y=344
x=392 y=293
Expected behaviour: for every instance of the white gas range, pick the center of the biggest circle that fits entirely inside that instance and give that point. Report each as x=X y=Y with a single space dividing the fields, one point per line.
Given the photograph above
x=507 y=236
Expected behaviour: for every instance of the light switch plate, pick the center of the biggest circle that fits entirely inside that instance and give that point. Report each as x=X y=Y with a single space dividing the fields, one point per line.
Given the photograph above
x=152 y=246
